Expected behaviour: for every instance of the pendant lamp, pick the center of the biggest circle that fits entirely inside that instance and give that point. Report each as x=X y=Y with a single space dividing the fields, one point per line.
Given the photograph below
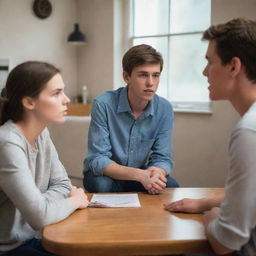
x=76 y=37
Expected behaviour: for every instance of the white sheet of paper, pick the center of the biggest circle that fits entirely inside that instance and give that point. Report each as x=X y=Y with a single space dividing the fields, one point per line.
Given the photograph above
x=117 y=200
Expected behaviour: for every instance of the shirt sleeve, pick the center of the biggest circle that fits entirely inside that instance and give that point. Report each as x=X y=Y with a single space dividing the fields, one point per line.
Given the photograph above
x=17 y=182
x=237 y=217
x=99 y=146
x=162 y=148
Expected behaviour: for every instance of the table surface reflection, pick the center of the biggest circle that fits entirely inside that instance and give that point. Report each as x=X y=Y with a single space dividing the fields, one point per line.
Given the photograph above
x=147 y=230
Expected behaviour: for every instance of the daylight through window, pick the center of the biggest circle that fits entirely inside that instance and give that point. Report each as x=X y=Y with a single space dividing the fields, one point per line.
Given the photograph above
x=174 y=27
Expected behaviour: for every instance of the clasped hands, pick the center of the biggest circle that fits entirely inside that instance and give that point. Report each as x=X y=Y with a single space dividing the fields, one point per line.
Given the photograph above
x=154 y=180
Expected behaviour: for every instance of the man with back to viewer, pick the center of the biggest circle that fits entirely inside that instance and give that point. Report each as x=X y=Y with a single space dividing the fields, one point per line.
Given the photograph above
x=129 y=140
x=230 y=219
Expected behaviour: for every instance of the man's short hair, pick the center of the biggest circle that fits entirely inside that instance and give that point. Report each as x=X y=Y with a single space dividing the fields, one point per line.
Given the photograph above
x=236 y=38
x=140 y=55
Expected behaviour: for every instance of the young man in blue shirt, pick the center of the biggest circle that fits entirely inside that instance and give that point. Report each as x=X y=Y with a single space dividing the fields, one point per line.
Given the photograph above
x=129 y=145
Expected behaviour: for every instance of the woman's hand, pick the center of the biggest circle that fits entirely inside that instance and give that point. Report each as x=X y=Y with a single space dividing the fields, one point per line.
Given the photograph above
x=78 y=197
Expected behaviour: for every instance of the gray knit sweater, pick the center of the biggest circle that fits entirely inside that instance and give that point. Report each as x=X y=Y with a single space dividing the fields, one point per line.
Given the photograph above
x=33 y=186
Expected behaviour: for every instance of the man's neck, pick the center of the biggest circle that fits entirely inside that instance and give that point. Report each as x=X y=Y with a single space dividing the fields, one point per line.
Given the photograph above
x=244 y=96
x=137 y=107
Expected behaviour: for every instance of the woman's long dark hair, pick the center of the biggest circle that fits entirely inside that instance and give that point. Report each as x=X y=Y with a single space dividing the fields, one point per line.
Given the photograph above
x=26 y=79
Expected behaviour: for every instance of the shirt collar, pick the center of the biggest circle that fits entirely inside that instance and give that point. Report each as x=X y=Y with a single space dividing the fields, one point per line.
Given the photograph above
x=149 y=111
x=124 y=106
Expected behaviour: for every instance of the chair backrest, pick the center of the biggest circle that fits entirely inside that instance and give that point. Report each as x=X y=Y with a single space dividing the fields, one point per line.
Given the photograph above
x=70 y=139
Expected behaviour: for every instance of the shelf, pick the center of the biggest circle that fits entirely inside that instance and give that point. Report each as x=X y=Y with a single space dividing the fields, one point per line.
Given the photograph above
x=79 y=109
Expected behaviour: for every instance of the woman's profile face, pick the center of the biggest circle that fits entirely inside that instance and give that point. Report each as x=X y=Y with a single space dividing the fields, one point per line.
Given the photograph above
x=51 y=104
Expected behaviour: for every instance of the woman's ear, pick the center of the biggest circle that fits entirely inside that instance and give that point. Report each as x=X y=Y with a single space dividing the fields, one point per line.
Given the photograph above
x=236 y=66
x=28 y=103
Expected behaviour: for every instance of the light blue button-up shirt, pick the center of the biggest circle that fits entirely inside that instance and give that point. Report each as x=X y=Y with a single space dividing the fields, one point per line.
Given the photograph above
x=115 y=135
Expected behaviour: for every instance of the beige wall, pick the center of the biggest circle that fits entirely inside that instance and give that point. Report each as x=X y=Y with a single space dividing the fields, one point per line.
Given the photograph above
x=200 y=141
x=24 y=37
x=95 y=59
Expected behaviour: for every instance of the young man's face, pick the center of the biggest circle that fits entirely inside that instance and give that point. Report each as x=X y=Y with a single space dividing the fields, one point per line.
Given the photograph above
x=218 y=74
x=143 y=82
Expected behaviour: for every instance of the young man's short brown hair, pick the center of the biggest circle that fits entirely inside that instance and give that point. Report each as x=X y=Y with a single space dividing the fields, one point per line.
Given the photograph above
x=236 y=38
x=140 y=55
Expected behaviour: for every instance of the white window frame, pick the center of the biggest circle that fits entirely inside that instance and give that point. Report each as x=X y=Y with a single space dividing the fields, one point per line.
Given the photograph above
x=184 y=107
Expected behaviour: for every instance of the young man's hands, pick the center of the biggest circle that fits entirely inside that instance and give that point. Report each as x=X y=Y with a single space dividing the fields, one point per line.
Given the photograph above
x=185 y=205
x=194 y=205
x=154 y=180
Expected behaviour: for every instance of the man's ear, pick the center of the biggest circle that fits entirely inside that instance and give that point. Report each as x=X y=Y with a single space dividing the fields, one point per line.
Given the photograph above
x=28 y=103
x=126 y=77
x=235 y=65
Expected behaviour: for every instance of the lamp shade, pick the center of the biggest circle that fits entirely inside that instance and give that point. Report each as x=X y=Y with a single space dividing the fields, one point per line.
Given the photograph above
x=77 y=37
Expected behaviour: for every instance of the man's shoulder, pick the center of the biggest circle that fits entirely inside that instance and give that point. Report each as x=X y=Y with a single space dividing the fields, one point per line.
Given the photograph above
x=109 y=95
x=248 y=121
x=162 y=103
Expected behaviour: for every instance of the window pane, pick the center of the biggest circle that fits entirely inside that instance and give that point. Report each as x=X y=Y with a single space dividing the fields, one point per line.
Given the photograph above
x=189 y=15
x=161 y=45
x=187 y=62
x=150 y=17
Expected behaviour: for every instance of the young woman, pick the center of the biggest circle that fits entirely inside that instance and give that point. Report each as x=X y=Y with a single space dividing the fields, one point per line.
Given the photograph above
x=34 y=187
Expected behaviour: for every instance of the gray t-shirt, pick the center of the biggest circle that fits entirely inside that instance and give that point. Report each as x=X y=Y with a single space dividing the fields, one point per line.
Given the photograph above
x=235 y=227
x=33 y=186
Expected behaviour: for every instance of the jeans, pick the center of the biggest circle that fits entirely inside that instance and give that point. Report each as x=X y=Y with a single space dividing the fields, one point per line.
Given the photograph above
x=31 y=248
x=104 y=184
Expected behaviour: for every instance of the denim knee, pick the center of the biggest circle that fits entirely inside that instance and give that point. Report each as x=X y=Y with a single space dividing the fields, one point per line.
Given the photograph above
x=171 y=182
x=103 y=184
x=98 y=184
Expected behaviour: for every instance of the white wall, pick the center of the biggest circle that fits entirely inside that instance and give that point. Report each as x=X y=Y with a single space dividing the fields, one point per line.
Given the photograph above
x=200 y=141
x=24 y=37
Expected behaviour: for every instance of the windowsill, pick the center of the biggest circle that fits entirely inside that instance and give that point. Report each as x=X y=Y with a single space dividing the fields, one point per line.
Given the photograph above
x=193 y=108
x=193 y=111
